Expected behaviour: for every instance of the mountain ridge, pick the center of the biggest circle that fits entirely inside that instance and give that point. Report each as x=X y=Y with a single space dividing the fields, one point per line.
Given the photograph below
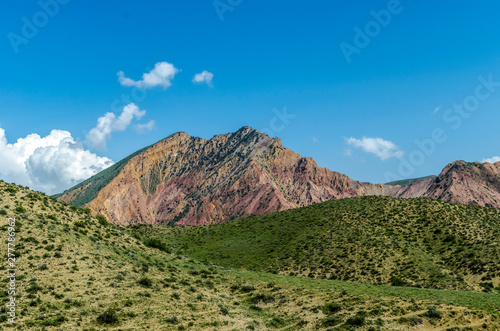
x=185 y=180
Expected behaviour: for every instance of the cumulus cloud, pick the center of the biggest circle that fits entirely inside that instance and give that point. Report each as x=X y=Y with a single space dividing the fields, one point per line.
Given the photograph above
x=162 y=75
x=493 y=159
x=50 y=164
x=109 y=123
x=203 y=77
x=382 y=148
x=144 y=128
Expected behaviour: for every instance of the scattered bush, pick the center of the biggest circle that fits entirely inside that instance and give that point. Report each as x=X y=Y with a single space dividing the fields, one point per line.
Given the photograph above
x=155 y=243
x=145 y=282
x=331 y=321
x=414 y=321
x=276 y=322
x=331 y=308
x=109 y=317
x=102 y=220
x=262 y=297
x=172 y=320
x=11 y=189
x=20 y=209
x=358 y=320
x=247 y=289
x=432 y=312
x=80 y=224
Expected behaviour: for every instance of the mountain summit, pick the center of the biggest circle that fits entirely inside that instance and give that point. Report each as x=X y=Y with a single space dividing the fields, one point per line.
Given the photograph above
x=187 y=180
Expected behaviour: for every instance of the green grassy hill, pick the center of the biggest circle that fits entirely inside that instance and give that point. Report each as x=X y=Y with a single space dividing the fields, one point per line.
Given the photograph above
x=377 y=240
x=77 y=272
x=405 y=182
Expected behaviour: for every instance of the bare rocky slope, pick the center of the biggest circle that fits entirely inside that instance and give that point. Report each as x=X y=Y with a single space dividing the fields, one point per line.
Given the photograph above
x=186 y=180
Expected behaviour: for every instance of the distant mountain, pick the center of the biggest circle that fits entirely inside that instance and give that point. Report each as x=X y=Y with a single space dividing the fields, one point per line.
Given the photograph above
x=462 y=182
x=187 y=180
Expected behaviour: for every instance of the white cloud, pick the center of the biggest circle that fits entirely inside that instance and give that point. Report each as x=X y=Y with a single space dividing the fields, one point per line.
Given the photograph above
x=203 y=77
x=493 y=159
x=50 y=164
x=161 y=75
x=382 y=148
x=144 y=128
x=110 y=123
x=437 y=109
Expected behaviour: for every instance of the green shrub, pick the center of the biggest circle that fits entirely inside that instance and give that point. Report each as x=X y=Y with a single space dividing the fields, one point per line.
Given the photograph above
x=11 y=189
x=432 y=312
x=102 y=220
x=145 y=282
x=109 y=317
x=20 y=209
x=396 y=281
x=331 y=308
x=51 y=217
x=247 y=288
x=276 y=322
x=358 y=320
x=172 y=320
x=262 y=297
x=155 y=243
x=331 y=321
x=414 y=321
x=80 y=224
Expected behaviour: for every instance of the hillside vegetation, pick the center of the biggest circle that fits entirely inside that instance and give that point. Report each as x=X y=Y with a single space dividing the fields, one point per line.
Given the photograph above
x=377 y=240
x=78 y=272
x=405 y=182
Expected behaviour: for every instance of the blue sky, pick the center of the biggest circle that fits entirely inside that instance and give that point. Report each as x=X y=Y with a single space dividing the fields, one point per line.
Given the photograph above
x=360 y=117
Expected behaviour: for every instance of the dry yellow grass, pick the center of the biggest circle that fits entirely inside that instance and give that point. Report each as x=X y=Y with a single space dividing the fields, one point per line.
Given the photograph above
x=72 y=269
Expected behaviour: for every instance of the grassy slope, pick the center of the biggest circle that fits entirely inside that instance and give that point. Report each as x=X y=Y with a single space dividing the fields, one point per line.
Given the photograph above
x=405 y=182
x=72 y=269
x=378 y=240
